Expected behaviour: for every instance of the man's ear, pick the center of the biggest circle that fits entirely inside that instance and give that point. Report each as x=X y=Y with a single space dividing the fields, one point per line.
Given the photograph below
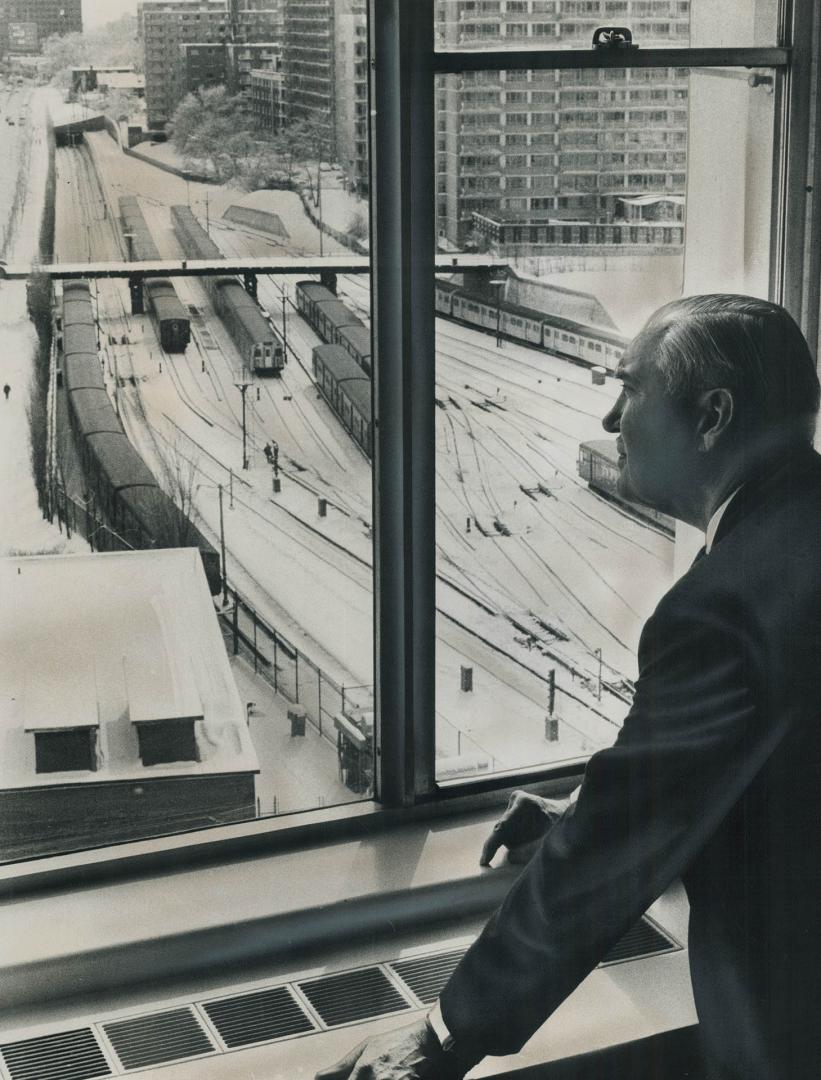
x=715 y=412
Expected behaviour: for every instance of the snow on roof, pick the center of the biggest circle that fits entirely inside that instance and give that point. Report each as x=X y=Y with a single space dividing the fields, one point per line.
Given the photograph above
x=47 y=706
x=651 y=200
x=120 y=80
x=107 y=639
x=71 y=113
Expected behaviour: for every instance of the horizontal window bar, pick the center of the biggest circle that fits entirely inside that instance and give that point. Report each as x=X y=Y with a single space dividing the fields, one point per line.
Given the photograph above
x=453 y=63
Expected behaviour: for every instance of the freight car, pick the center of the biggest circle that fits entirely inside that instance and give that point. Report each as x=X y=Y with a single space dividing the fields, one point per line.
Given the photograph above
x=347 y=389
x=598 y=465
x=588 y=345
x=259 y=344
x=125 y=489
x=166 y=309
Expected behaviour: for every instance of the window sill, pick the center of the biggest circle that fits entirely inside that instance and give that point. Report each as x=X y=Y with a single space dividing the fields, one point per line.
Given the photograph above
x=71 y=955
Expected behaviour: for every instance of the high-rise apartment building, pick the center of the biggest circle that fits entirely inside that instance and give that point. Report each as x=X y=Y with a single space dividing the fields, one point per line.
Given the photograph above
x=168 y=25
x=519 y=152
x=325 y=78
x=41 y=19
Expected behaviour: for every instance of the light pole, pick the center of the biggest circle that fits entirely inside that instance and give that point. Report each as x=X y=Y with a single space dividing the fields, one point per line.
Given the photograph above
x=498 y=284
x=222 y=549
x=284 y=328
x=243 y=389
x=597 y=652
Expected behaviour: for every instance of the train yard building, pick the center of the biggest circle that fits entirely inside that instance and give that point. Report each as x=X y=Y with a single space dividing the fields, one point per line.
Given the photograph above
x=119 y=715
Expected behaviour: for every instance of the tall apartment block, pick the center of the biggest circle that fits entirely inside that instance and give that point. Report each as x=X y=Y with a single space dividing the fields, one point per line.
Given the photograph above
x=528 y=159
x=25 y=24
x=189 y=43
x=325 y=78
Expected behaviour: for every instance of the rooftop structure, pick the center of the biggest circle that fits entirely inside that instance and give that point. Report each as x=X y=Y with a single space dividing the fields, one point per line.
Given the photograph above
x=117 y=701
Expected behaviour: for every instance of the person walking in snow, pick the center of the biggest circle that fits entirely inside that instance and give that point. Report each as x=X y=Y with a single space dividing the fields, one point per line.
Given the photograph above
x=7 y=391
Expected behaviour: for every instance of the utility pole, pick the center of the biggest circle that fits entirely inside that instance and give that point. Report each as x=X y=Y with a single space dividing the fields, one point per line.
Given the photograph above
x=284 y=330
x=243 y=389
x=598 y=654
x=319 y=191
x=222 y=547
x=207 y=221
x=498 y=283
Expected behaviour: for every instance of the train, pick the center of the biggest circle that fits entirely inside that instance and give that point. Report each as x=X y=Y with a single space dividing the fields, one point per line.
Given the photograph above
x=167 y=310
x=347 y=389
x=334 y=321
x=125 y=489
x=260 y=346
x=598 y=465
x=348 y=393
x=587 y=345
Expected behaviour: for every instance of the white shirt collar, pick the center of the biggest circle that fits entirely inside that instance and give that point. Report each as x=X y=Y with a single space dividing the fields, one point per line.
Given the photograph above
x=715 y=520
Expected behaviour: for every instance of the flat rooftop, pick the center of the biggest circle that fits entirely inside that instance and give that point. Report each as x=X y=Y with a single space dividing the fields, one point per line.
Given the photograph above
x=107 y=640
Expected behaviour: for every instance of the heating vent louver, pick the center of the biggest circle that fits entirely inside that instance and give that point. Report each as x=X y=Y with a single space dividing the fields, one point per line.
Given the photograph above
x=158 y=1038
x=69 y=1055
x=263 y=1017
x=427 y=975
x=352 y=996
x=645 y=939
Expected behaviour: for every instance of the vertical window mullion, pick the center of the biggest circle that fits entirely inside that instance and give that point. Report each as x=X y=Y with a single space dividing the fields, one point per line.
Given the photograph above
x=402 y=160
x=796 y=253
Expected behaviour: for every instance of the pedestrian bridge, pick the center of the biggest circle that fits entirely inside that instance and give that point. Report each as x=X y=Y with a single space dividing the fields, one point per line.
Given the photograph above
x=265 y=264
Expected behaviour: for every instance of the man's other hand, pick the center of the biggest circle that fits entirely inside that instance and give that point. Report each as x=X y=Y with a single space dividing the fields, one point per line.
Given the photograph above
x=522 y=826
x=408 y=1053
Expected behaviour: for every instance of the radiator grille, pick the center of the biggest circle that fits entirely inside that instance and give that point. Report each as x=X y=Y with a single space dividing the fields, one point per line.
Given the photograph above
x=158 y=1038
x=69 y=1055
x=353 y=995
x=263 y=1017
x=645 y=939
x=266 y=1015
x=427 y=975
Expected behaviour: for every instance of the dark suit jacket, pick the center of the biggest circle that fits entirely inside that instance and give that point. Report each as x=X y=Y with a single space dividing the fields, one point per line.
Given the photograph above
x=715 y=777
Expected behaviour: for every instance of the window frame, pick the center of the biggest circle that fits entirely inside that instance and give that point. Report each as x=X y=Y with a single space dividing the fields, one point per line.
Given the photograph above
x=402 y=69
x=403 y=74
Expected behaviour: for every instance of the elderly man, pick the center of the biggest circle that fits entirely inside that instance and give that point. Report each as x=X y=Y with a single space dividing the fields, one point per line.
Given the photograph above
x=716 y=773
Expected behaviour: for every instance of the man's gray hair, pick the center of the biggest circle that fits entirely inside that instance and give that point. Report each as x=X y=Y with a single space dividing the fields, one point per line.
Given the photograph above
x=748 y=346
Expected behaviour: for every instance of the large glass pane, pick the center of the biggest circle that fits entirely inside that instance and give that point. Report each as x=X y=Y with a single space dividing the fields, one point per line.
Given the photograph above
x=606 y=194
x=570 y=24
x=228 y=413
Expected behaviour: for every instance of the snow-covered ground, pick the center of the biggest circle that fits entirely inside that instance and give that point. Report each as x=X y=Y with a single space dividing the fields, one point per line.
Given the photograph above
x=23 y=530
x=534 y=571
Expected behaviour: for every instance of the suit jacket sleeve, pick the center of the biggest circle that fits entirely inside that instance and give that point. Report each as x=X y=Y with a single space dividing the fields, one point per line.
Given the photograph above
x=692 y=742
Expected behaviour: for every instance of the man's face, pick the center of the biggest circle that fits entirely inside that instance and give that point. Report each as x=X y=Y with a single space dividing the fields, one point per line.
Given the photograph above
x=656 y=444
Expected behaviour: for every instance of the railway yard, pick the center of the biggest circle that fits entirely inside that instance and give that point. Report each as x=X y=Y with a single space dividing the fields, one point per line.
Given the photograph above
x=535 y=571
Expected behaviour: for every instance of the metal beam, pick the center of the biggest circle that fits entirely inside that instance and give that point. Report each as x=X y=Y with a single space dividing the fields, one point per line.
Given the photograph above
x=453 y=63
